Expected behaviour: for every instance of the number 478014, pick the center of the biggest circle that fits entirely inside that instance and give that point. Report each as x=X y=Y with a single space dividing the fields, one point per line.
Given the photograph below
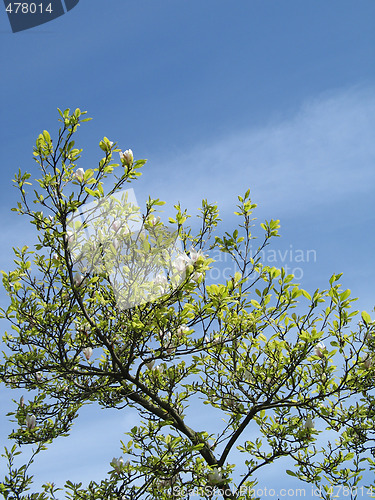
x=28 y=8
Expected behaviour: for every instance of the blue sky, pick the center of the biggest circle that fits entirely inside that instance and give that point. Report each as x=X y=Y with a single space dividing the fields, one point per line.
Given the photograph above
x=219 y=96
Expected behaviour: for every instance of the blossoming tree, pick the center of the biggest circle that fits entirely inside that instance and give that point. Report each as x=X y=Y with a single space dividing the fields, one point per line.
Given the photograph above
x=281 y=366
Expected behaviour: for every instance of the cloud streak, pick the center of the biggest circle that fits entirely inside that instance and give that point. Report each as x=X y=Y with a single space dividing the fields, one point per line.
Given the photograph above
x=324 y=153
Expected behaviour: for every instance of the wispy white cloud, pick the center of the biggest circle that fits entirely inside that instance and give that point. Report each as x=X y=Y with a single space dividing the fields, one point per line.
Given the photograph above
x=325 y=152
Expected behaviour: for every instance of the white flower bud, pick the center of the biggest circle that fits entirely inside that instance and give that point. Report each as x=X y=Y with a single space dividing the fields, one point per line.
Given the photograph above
x=30 y=421
x=217 y=339
x=309 y=424
x=154 y=220
x=319 y=350
x=196 y=277
x=116 y=224
x=116 y=243
x=194 y=255
x=78 y=174
x=69 y=237
x=181 y=262
x=117 y=463
x=215 y=477
x=127 y=157
x=87 y=351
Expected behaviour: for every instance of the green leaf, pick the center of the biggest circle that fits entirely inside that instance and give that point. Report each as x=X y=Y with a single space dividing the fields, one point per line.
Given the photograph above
x=306 y=294
x=291 y=473
x=366 y=317
x=345 y=294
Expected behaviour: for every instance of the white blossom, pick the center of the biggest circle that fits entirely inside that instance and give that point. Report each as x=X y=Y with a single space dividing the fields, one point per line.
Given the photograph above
x=194 y=255
x=150 y=364
x=217 y=339
x=369 y=336
x=127 y=157
x=319 y=350
x=87 y=351
x=215 y=477
x=154 y=220
x=181 y=330
x=30 y=421
x=309 y=424
x=167 y=483
x=116 y=225
x=197 y=277
x=78 y=174
x=181 y=262
x=69 y=237
x=78 y=278
x=117 y=463
x=170 y=346
x=231 y=402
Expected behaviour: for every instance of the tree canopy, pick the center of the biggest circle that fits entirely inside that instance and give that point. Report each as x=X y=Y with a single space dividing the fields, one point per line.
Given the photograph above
x=116 y=307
